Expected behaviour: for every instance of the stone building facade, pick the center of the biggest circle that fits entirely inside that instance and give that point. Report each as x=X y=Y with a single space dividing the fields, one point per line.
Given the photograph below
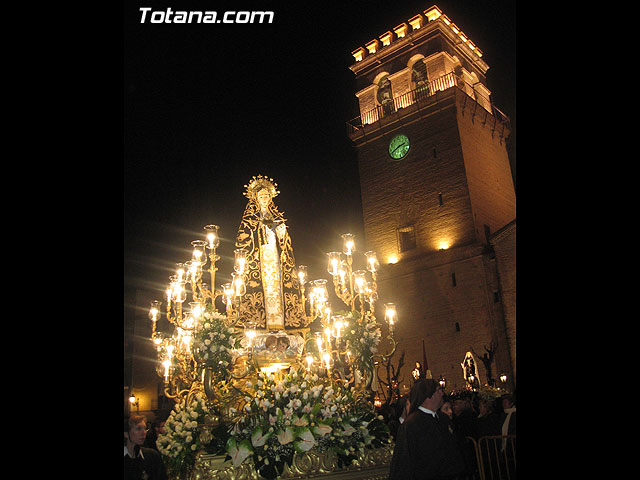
x=436 y=185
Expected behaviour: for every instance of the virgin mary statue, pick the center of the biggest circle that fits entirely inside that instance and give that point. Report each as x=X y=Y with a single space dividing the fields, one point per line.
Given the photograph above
x=272 y=300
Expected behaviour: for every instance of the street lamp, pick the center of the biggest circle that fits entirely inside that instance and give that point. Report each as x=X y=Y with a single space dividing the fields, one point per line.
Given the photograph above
x=134 y=401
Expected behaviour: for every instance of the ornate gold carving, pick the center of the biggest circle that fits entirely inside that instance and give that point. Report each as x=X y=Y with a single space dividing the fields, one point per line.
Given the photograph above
x=252 y=309
x=371 y=464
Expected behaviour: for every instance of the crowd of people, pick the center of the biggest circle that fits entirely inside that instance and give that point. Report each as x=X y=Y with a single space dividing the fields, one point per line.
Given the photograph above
x=430 y=431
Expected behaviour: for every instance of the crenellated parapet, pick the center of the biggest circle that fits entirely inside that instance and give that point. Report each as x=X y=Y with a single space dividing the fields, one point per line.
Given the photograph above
x=414 y=30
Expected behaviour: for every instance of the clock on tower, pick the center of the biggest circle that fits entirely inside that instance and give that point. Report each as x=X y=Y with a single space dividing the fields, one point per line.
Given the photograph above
x=399 y=147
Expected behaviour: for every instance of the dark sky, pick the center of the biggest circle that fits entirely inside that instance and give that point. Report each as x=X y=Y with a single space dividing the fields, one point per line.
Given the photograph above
x=206 y=107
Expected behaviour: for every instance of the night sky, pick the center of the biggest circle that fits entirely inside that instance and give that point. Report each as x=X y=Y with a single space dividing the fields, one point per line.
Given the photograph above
x=206 y=107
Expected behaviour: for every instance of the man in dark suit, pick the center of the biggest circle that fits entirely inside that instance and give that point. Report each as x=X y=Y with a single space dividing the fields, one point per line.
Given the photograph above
x=140 y=463
x=426 y=448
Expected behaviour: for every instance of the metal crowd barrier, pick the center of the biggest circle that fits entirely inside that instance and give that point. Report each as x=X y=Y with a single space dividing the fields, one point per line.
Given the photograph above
x=495 y=458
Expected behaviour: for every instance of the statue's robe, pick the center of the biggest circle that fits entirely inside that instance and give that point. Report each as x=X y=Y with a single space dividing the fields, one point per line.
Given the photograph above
x=272 y=300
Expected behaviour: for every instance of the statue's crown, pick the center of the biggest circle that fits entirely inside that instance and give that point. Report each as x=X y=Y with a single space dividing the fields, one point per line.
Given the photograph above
x=258 y=183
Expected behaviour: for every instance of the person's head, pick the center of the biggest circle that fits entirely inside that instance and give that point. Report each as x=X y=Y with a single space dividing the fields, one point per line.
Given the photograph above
x=263 y=198
x=426 y=392
x=507 y=401
x=271 y=343
x=446 y=407
x=160 y=427
x=135 y=429
x=283 y=343
x=485 y=406
x=161 y=420
x=461 y=404
x=402 y=407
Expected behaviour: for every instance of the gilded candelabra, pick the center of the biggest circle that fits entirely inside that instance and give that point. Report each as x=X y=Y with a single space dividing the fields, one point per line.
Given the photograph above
x=333 y=353
x=326 y=352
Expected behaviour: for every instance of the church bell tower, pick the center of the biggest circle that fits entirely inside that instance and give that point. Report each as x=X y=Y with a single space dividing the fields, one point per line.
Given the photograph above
x=436 y=187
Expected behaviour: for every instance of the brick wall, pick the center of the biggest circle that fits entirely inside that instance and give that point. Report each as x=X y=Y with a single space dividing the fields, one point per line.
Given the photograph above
x=504 y=244
x=455 y=180
x=451 y=315
x=398 y=193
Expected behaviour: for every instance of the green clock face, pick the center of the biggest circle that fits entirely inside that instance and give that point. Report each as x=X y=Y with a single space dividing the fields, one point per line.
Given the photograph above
x=399 y=147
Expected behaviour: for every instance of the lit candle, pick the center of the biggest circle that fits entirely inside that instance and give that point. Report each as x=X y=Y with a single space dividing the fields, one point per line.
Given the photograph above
x=227 y=290
x=327 y=360
x=338 y=325
x=309 y=361
x=334 y=263
x=327 y=334
x=192 y=266
x=212 y=236
x=196 y=310
x=390 y=314
x=154 y=310
x=342 y=274
x=302 y=274
x=158 y=339
x=180 y=271
x=239 y=288
x=319 y=344
x=348 y=243
x=360 y=280
x=372 y=261
x=179 y=292
x=198 y=250
x=251 y=334
x=166 y=364
x=241 y=259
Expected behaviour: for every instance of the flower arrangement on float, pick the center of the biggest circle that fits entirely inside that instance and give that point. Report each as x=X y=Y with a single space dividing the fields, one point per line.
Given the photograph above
x=279 y=416
x=181 y=441
x=362 y=335
x=297 y=412
x=214 y=343
x=268 y=421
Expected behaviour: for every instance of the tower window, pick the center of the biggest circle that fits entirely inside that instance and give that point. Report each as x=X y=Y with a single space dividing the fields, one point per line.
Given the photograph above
x=440 y=199
x=406 y=238
x=453 y=280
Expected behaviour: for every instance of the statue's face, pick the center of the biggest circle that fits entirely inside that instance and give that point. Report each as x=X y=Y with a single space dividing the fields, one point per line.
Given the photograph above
x=263 y=198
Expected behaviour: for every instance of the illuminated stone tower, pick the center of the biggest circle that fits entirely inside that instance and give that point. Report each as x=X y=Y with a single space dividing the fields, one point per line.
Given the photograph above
x=436 y=187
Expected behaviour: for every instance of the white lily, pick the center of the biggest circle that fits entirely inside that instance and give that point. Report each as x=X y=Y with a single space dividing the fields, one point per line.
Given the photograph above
x=286 y=437
x=306 y=441
x=258 y=439
x=240 y=452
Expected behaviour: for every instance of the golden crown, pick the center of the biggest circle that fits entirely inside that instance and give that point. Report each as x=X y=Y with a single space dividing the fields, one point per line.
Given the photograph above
x=258 y=183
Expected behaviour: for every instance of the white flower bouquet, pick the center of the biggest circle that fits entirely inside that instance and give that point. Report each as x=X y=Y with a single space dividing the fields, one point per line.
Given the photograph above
x=181 y=440
x=362 y=335
x=296 y=413
x=214 y=342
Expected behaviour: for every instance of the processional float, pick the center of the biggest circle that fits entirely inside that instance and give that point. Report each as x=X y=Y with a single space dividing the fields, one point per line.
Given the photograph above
x=262 y=369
